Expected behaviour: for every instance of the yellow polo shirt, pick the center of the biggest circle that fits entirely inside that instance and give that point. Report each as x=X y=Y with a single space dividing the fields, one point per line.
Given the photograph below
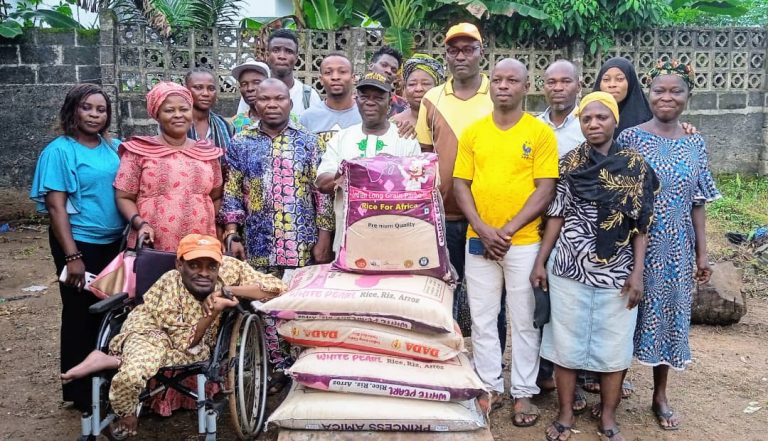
x=442 y=119
x=502 y=165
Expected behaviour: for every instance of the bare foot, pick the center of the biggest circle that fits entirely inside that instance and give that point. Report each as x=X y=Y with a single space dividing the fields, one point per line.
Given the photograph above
x=94 y=362
x=546 y=385
x=125 y=426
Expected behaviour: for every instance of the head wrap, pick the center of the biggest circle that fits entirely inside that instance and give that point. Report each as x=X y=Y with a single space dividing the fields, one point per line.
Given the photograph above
x=603 y=98
x=634 y=109
x=673 y=67
x=162 y=90
x=426 y=63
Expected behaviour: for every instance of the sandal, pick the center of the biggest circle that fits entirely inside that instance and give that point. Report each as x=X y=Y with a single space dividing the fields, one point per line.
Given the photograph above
x=580 y=397
x=530 y=410
x=561 y=430
x=627 y=389
x=664 y=417
x=607 y=434
x=591 y=383
x=277 y=382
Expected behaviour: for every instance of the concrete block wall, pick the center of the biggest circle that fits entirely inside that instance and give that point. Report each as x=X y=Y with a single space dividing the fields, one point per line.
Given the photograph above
x=36 y=70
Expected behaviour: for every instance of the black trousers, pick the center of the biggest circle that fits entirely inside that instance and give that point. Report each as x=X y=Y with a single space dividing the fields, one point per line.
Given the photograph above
x=79 y=329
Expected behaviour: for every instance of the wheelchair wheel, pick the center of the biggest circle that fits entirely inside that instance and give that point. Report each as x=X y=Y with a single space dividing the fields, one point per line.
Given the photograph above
x=248 y=377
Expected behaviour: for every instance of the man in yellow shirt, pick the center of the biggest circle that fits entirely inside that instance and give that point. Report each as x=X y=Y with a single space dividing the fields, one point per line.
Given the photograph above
x=504 y=178
x=445 y=111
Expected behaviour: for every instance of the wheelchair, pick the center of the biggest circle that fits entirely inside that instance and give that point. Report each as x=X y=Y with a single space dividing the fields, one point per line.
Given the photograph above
x=239 y=363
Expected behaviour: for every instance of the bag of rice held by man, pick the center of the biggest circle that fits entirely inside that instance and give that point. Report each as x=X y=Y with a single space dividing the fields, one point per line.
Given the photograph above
x=371 y=337
x=393 y=217
x=313 y=409
x=418 y=303
x=346 y=370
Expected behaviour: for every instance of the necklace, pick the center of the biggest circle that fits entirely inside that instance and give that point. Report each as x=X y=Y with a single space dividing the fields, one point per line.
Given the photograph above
x=363 y=145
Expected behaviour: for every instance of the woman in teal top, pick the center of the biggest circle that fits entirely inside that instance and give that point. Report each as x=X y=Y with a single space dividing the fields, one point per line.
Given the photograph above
x=73 y=185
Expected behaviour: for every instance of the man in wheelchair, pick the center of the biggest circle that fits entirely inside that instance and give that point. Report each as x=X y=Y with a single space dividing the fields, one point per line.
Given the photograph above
x=177 y=324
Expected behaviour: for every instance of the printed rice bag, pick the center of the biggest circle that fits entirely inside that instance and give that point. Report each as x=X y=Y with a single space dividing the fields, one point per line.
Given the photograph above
x=370 y=337
x=393 y=217
x=346 y=370
x=412 y=302
x=311 y=409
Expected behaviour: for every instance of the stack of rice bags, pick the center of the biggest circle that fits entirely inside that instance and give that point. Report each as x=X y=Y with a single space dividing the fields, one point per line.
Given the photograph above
x=383 y=352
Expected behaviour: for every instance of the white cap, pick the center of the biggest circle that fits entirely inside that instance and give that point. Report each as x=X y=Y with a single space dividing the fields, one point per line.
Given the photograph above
x=250 y=64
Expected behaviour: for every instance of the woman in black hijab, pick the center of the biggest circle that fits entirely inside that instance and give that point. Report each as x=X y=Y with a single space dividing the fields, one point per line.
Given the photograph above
x=618 y=77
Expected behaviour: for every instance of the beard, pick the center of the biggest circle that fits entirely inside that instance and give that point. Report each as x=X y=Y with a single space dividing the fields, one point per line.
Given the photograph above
x=197 y=292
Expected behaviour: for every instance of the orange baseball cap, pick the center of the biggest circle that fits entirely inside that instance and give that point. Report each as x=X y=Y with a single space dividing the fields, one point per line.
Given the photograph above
x=463 y=30
x=195 y=246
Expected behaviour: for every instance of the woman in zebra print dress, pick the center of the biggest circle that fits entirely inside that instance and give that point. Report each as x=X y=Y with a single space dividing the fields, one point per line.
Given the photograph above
x=591 y=262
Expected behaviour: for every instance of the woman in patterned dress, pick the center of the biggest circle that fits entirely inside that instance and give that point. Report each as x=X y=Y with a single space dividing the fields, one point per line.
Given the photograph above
x=591 y=263
x=169 y=186
x=677 y=238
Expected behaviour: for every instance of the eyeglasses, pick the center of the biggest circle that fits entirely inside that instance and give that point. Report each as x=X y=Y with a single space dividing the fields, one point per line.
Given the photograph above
x=468 y=51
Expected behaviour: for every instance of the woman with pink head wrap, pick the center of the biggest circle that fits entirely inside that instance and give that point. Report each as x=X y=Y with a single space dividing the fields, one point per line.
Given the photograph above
x=168 y=185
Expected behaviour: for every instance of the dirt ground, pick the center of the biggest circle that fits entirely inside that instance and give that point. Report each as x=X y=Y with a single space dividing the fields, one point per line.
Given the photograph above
x=730 y=370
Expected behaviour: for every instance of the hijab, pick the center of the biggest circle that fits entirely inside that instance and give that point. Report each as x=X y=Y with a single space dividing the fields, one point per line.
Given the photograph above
x=634 y=109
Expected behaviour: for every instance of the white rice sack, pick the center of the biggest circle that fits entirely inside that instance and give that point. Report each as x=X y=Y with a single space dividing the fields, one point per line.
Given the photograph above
x=411 y=302
x=346 y=370
x=370 y=337
x=312 y=409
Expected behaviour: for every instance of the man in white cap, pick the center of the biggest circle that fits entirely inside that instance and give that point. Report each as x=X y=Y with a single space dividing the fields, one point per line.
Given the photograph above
x=248 y=75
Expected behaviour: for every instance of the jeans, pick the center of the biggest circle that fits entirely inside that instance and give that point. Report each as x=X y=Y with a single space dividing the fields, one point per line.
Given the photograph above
x=456 y=238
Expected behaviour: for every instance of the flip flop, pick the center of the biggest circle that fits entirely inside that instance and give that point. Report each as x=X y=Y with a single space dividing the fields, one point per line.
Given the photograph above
x=627 y=386
x=530 y=410
x=607 y=434
x=579 y=396
x=665 y=416
x=561 y=430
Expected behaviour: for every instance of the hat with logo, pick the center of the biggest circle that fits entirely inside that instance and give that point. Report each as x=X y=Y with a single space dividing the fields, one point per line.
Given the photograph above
x=463 y=30
x=195 y=246
x=250 y=64
x=377 y=80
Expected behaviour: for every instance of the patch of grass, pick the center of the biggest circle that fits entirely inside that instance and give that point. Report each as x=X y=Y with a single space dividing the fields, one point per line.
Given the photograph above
x=744 y=205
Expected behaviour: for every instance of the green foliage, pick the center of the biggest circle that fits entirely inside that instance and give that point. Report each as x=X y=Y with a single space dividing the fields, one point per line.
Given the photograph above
x=28 y=14
x=719 y=13
x=403 y=15
x=487 y=8
x=327 y=14
x=169 y=16
x=10 y=28
x=744 y=204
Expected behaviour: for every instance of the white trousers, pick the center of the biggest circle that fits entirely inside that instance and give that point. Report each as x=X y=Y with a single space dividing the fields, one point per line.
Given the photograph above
x=485 y=280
